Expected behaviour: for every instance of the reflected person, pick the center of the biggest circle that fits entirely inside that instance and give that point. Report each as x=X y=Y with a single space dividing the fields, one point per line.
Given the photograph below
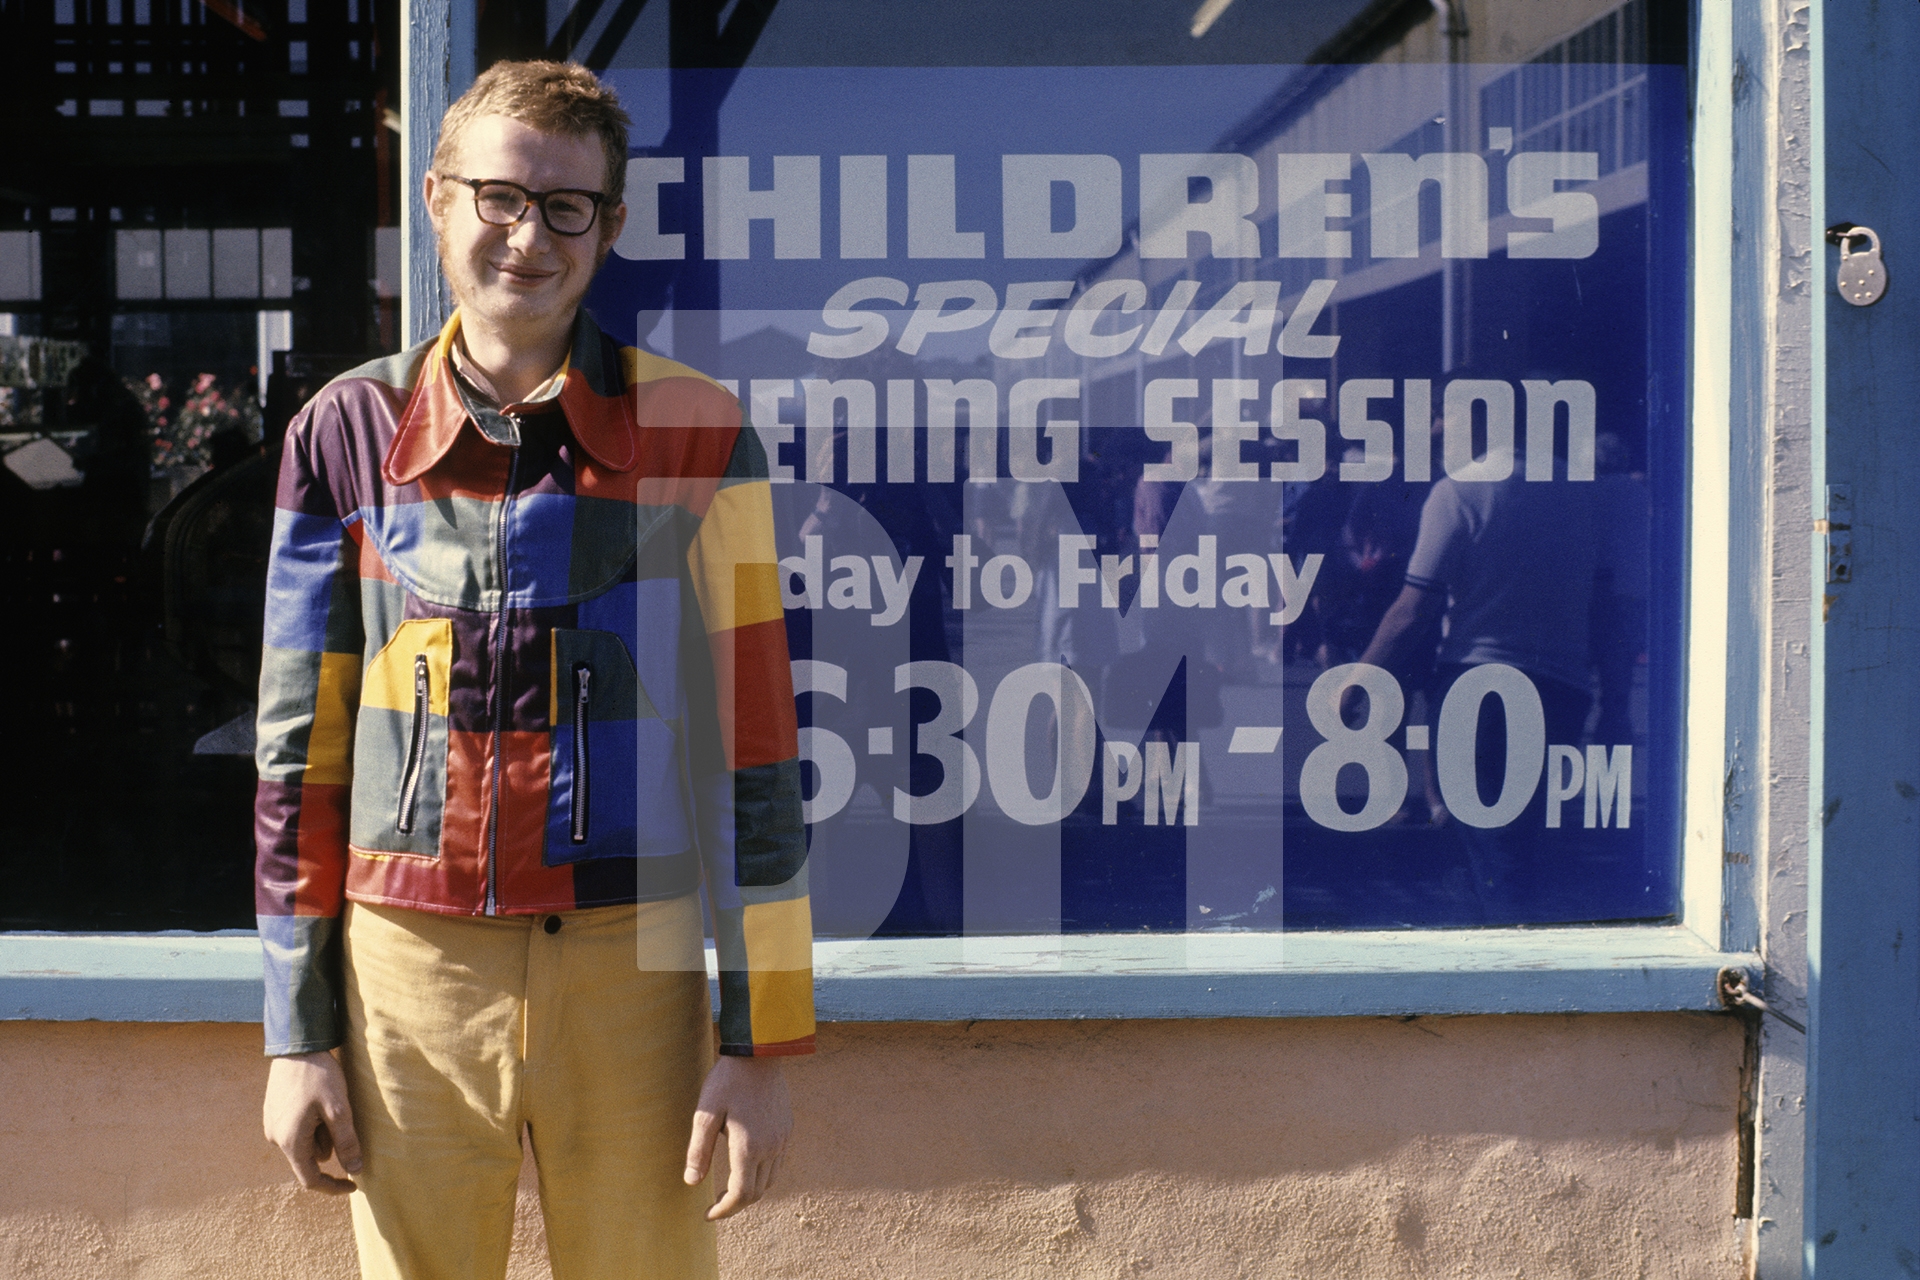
x=1515 y=568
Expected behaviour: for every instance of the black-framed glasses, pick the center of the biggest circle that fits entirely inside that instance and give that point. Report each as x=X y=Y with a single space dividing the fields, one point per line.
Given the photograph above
x=502 y=203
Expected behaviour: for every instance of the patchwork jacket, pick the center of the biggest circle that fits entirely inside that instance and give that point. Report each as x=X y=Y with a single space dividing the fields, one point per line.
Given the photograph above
x=520 y=679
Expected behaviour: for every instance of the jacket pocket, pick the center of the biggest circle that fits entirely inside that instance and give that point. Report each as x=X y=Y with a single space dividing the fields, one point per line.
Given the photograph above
x=400 y=742
x=614 y=767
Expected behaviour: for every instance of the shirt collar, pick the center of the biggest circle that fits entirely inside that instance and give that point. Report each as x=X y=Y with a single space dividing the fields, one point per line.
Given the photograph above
x=497 y=422
x=590 y=389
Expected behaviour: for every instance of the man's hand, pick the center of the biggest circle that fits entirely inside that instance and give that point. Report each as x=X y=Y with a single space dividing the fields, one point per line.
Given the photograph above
x=306 y=1115
x=747 y=1098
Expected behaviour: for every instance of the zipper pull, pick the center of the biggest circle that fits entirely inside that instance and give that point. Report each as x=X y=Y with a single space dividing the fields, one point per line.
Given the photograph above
x=582 y=768
x=416 y=746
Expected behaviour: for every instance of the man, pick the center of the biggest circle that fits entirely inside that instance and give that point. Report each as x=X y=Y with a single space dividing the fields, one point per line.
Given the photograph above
x=1514 y=567
x=525 y=684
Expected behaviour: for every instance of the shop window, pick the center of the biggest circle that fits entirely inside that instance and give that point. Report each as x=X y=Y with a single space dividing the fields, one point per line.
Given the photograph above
x=1166 y=367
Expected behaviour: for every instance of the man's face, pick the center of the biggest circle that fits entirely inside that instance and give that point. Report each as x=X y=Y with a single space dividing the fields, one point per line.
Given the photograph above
x=523 y=276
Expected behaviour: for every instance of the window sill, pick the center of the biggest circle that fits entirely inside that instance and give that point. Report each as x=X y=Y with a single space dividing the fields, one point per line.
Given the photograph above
x=198 y=977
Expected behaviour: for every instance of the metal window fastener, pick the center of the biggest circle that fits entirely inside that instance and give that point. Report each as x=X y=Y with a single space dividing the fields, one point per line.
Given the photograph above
x=1862 y=277
x=1734 y=993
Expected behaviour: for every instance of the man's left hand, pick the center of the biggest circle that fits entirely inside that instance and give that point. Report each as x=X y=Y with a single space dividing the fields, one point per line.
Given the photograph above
x=746 y=1098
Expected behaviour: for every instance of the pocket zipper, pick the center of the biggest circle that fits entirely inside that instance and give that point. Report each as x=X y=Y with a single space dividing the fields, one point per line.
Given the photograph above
x=582 y=706
x=416 y=746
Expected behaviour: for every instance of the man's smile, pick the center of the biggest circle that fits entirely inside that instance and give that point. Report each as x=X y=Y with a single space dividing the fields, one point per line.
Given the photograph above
x=522 y=273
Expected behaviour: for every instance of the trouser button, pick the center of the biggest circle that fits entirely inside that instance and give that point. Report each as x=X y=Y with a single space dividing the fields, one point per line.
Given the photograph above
x=553 y=924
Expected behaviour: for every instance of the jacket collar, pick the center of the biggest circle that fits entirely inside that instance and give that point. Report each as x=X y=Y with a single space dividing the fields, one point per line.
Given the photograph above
x=593 y=397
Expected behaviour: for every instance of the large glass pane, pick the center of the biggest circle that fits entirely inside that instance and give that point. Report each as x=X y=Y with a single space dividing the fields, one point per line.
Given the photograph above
x=1225 y=480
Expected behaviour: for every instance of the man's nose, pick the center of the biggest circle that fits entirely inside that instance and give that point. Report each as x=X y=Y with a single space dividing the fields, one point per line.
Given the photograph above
x=529 y=235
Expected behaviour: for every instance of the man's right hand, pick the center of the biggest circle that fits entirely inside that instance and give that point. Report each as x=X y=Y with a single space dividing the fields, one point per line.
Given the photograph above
x=306 y=1115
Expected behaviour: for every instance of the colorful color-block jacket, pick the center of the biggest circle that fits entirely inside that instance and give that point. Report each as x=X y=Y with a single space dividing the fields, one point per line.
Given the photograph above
x=474 y=650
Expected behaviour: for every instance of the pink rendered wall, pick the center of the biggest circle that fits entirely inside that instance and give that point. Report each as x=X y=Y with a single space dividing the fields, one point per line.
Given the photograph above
x=1526 y=1146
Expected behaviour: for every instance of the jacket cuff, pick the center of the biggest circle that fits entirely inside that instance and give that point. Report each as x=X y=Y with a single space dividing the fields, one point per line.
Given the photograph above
x=300 y=962
x=783 y=1049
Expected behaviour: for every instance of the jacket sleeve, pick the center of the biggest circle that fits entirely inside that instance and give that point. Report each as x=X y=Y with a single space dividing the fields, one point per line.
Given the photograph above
x=747 y=792
x=309 y=694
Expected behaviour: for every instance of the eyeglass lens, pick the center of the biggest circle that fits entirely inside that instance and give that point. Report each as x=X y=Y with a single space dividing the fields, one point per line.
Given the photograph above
x=567 y=212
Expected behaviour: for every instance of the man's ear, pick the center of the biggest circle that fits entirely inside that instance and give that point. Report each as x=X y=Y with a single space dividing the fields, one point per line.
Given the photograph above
x=429 y=190
x=614 y=220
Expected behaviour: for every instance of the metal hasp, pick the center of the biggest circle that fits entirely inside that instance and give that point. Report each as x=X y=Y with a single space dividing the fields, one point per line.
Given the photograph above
x=1736 y=994
x=1863 y=276
x=1836 y=530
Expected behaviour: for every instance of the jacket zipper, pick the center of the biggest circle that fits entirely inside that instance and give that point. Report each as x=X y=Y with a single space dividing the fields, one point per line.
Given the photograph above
x=582 y=707
x=499 y=693
x=416 y=746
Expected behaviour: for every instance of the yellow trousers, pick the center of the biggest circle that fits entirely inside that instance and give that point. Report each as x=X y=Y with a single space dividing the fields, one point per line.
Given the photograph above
x=592 y=1033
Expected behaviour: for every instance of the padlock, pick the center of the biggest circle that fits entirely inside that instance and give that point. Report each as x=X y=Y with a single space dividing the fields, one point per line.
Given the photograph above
x=1863 y=277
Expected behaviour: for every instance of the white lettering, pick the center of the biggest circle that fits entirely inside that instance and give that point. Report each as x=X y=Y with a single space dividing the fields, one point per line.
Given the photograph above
x=930 y=315
x=993 y=581
x=1073 y=575
x=1007 y=740
x=944 y=398
x=1171 y=312
x=1532 y=192
x=809 y=569
x=1026 y=206
x=1542 y=398
x=1127 y=296
x=1306 y=204
x=1169 y=213
x=1308 y=434
x=1416 y=428
x=863 y=207
x=1566 y=777
x=1376 y=463
x=1295 y=587
x=1183 y=438
x=1298 y=340
x=1231 y=431
x=855 y=590
x=641 y=239
x=962 y=562
x=1018 y=315
x=1172 y=778
x=1606 y=779
x=933 y=217
x=1024 y=430
x=1247 y=588
x=895 y=591
x=900 y=446
x=767 y=395
x=1258 y=300
x=792 y=204
x=1202 y=567
x=1457 y=444
x=1395 y=203
x=869 y=329
x=823 y=397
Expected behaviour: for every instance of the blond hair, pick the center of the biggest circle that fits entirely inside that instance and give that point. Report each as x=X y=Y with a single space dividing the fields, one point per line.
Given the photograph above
x=561 y=98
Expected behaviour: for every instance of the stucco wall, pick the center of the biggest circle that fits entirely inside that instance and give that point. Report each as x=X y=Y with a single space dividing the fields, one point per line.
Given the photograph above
x=1476 y=1147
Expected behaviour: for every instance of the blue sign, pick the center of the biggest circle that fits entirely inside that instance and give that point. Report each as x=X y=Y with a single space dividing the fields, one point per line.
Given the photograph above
x=1208 y=498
